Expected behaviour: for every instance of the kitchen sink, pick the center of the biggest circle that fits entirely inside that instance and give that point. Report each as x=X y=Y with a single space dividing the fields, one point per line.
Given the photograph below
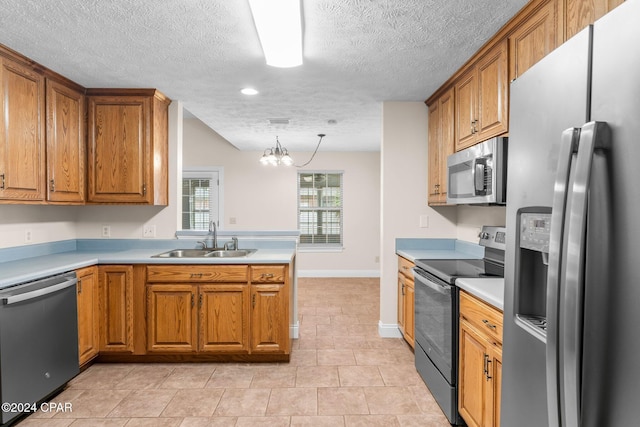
x=205 y=253
x=229 y=253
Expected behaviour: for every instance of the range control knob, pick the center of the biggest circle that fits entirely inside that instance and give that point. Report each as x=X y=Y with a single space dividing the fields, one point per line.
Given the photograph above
x=483 y=235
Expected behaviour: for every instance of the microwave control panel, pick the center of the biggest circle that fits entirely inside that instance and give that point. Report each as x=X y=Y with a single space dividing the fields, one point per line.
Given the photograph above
x=535 y=230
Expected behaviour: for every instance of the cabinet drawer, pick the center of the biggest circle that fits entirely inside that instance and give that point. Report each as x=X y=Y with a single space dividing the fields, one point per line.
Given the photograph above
x=267 y=273
x=405 y=266
x=196 y=273
x=482 y=316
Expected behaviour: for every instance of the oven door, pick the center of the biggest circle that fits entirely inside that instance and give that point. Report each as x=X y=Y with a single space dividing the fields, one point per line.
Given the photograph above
x=436 y=322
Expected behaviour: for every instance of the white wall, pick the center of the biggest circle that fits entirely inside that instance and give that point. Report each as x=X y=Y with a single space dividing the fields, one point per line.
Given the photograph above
x=404 y=194
x=472 y=218
x=45 y=224
x=258 y=197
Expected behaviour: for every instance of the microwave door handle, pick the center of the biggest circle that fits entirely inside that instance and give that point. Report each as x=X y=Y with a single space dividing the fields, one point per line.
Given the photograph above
x=568 y=146
x=478 y=170
x=594 y=135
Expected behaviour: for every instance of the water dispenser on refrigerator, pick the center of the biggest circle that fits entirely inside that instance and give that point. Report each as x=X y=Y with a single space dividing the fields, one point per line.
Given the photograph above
x=532 y=261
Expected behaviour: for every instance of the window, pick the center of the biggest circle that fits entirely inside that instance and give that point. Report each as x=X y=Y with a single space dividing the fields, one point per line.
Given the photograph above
x=320 y=209
x=199 y=199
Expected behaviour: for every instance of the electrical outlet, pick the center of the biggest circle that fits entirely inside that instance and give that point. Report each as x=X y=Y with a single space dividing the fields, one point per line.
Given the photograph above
x=106 y=231
x=424 y=221
x=27 y=236
x=232 y=220
x=377 y=260
x=149 y=231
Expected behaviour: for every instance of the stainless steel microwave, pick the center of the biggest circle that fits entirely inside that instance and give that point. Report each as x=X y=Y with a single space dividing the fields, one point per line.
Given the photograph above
x=478 y=174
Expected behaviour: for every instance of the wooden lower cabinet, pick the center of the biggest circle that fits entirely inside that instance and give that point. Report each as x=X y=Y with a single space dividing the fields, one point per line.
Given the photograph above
x=115 y=305
x=406 y=298
x=269 y=334
x=224 y=318
x=88 y=321
x=230 y=309
x=480 y=374
x=172 y=318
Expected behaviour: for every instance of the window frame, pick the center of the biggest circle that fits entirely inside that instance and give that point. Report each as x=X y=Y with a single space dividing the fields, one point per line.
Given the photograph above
x=323 y=246
x=213 y=174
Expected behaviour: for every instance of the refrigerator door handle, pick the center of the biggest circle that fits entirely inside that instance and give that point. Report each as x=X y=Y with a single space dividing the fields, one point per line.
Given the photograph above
x=593 y=136
x=568 y=146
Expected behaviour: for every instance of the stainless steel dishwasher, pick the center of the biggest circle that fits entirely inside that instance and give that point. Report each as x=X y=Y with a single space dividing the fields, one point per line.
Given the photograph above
x=38 y=342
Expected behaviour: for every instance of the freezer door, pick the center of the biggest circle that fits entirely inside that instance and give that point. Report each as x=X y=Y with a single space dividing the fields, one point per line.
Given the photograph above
x=611 y=376
x=546 y=100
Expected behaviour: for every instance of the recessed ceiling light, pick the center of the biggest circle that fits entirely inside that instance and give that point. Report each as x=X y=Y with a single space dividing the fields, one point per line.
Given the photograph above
x=249 y=91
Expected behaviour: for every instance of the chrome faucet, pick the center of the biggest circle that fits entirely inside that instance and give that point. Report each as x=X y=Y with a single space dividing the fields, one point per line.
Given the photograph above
x=211 y=241
x=213 y=230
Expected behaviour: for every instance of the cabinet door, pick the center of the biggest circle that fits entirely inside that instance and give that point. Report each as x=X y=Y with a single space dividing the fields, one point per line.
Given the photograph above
x=447 y=139
x=224 y=317
x=119 y=148
x=65 y=144
x=269 y=319
x=493 y=98
x=88 y=324
x=401 y=309
x=434 y=183
x=172 y=318
x=473 y=384
x=532 y=40
x=495 y=370
x=116 y=308
x=409 y=309
x=466 y=105
x=22 y=158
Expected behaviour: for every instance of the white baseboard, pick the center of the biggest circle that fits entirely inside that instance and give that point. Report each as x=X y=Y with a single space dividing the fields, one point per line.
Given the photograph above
x=294 y=330
x=389 y=330
x=338 y=273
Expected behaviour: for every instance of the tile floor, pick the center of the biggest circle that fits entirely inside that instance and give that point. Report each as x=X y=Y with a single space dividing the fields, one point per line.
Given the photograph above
x=340 y=374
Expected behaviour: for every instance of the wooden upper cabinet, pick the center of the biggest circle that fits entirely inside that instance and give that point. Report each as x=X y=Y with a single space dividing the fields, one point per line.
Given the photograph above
x=466 y=109
x=441 y=142
x=481 y=98
x=580 y=13
x=65 y=143
x=533 y=38
x=22 y=144
x=127 y=146
x=493 y=92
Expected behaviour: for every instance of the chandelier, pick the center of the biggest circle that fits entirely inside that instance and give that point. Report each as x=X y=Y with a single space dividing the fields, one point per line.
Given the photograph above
x=279 y=155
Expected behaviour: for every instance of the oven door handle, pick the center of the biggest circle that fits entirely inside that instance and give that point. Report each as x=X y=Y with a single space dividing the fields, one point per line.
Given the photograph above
x=440 y=288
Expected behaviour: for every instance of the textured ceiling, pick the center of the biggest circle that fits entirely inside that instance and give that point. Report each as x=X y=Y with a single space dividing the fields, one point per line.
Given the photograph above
x=357 y=53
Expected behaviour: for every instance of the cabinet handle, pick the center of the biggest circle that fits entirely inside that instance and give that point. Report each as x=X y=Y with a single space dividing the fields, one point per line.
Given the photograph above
x=196 y=275
x=253 y=301
x=486 y=364
x=437 y=188
x=1 y=181
x=267 y=275
x=489 y=325
x=79 y=286
x=200 y=301
x=192 y=301
x=52 y=185
x=144 y=189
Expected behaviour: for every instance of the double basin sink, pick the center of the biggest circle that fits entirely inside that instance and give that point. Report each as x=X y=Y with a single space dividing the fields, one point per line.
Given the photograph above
x=205 y=253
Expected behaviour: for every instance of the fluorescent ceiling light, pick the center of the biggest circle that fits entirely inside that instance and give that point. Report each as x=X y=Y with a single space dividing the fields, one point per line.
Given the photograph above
x=279 y=27
x=249 y=91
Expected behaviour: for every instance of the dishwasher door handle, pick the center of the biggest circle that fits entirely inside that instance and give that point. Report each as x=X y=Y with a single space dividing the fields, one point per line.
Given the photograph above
x=40 y=292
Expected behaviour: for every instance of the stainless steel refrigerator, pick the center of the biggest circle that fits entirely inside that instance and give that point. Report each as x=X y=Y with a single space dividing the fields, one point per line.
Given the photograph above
x=571 y=354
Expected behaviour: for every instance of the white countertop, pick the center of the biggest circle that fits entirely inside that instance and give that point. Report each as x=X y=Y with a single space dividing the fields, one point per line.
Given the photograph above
x=489 y=290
